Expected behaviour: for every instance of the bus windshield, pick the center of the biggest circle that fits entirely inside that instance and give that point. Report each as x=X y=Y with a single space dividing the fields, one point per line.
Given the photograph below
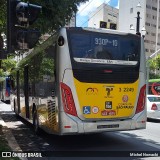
x=104 y=48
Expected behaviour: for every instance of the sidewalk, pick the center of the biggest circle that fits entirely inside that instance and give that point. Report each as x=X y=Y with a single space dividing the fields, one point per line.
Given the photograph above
x=6 y=134
x=20 y=136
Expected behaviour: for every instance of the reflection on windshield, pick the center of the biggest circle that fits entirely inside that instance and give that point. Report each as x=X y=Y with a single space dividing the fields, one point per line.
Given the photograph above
x=105 y=47
x=98 y=53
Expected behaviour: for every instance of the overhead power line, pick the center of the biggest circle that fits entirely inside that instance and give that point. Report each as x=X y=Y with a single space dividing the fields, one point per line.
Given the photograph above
x=85 y=7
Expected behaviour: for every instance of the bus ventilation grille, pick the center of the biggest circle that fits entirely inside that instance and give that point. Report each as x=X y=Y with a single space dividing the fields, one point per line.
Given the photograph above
x=52 y=113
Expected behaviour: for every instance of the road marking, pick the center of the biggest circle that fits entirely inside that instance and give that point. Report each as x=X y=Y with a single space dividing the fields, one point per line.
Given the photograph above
x=122 y=135
x=152 y=145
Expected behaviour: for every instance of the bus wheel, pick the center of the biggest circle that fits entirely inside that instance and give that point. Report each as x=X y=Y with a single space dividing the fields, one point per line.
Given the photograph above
x=36 y=122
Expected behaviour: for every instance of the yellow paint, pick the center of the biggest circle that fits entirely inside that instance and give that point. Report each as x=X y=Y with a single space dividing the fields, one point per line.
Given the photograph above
x=122 y=99
x=23 y=111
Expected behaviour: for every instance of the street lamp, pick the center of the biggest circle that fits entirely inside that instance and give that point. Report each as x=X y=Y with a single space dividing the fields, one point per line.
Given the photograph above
x=138 y=19
x=143 y=32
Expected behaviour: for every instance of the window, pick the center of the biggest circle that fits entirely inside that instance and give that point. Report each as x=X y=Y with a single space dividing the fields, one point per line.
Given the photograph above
x=154 y=17
x=41 y=75
x=152 y=50
x=154 y=99
x=153 y=34
x=148 y=15
x=131 y=26
x=146 y=41
x=152 y=42
x=107 y=46
x=148 y=6
x=147 y=24
x=131 y=10
x=154 y=8
x=153 y=25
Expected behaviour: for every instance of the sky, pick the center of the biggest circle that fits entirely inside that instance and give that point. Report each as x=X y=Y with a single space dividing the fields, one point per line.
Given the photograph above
x=86 y=8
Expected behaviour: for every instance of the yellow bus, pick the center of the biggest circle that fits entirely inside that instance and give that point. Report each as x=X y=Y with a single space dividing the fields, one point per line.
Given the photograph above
x=89 y=80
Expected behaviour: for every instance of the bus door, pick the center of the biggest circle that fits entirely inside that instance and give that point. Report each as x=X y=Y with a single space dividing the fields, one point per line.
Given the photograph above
x=26 y=93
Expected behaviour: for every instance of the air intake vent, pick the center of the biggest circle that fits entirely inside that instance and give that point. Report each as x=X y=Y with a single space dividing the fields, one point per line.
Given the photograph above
x=51 y=113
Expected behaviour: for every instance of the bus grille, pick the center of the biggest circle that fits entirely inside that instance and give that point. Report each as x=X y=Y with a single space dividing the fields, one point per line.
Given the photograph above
x=51 y=113
x=91 y=76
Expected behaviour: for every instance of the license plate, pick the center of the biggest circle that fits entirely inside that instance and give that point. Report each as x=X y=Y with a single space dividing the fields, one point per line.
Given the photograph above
x=108 y=126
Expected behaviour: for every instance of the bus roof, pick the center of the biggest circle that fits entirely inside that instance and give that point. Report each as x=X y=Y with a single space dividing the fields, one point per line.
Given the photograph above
x=101 y=30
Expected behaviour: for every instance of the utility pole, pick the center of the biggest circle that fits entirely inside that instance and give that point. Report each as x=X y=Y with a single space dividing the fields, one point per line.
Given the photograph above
x=138 y=24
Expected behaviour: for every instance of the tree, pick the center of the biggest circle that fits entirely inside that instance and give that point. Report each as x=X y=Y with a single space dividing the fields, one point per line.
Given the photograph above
x=55 y=13
x=3 y=15
x=3 y=22
x=6 y=66
x=154 y=64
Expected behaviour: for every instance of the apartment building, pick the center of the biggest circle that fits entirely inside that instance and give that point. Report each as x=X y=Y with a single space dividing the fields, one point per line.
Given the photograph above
x=72 y=22
x=149 y=18
x=104 y=13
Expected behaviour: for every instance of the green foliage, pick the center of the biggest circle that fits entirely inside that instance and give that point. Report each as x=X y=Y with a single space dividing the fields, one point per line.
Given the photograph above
x=6 y=66
x=154 y=63
x=39 y=65
x=154 y=76
x=55 y=13
x=3 y=15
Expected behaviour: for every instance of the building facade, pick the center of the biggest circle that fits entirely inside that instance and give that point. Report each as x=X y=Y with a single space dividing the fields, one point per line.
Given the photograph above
x=149 y=19
x=104 y=13
x=72 y=22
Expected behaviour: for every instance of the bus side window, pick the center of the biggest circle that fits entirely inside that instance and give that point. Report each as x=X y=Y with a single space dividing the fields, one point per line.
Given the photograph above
x=42 y=74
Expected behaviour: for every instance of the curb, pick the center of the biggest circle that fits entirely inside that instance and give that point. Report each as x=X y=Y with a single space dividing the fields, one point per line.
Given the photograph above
x=10 y=138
